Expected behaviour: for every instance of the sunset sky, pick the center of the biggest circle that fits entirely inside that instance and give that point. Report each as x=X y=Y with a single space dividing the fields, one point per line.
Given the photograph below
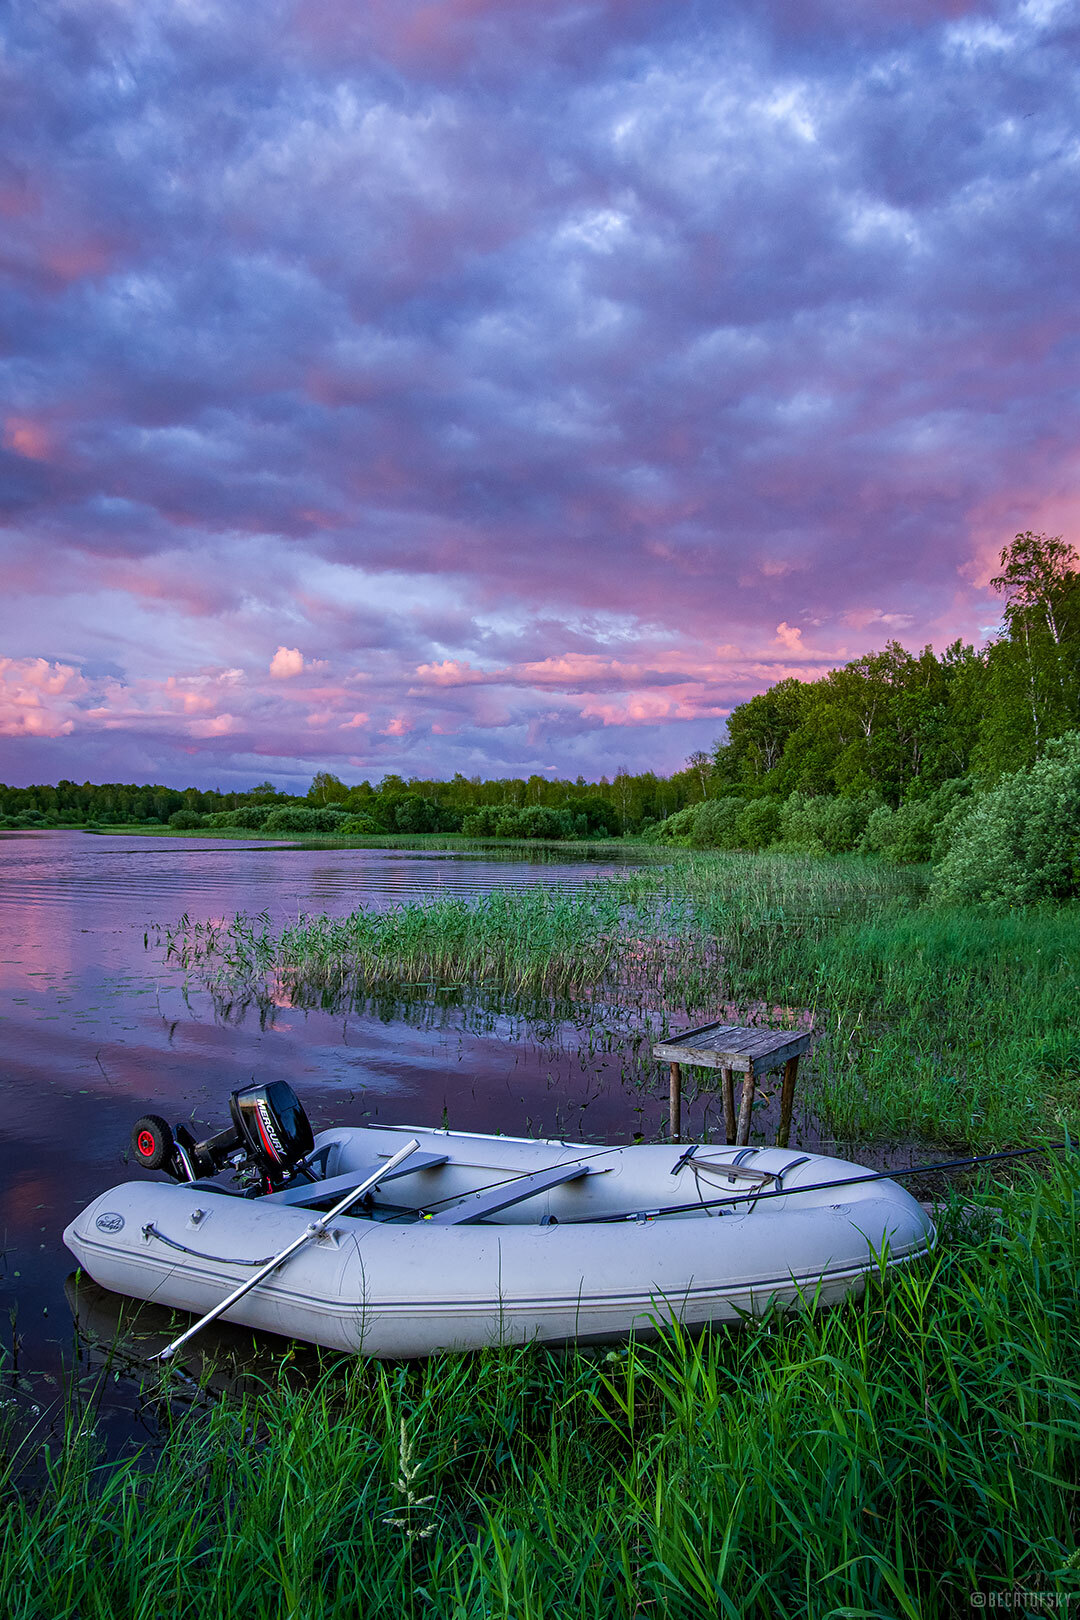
x=512 y=385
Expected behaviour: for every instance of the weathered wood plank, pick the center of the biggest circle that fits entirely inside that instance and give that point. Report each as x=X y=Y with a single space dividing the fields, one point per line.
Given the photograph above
x=727 y=1046
x=675 y=1103
x=729 y=1105
x=787 y=1101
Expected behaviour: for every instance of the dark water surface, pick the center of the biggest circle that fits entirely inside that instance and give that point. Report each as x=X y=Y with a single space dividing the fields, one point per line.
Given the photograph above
x=97 y=1028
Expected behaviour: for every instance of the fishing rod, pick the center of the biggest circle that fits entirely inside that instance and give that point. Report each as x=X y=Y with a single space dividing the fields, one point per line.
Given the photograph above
x=816 y=1186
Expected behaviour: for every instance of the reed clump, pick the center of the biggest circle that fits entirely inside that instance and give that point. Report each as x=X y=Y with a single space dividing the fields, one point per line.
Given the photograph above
x=893 y=1456
x=555 y=942
x=934 y=1022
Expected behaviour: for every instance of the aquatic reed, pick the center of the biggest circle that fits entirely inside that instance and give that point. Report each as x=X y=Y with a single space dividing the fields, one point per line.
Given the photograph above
x=933 y=1022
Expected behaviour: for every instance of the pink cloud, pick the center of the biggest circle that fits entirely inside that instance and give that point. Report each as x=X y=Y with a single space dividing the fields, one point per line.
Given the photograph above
x=451 y=672
x=220 y=725
x=286 y=662
x=27 y=437
x=865 y=618
x=38 y=699
x=649 y=708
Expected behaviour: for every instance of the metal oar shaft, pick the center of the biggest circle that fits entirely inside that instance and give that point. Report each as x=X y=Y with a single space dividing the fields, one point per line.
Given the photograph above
x=309 y=1232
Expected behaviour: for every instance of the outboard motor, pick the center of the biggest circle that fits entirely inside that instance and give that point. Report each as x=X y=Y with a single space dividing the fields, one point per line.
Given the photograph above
x=269 y=1136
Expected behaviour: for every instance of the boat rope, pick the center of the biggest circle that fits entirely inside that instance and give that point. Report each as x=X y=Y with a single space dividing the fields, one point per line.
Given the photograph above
x=759 y=1197
x=150 y=1231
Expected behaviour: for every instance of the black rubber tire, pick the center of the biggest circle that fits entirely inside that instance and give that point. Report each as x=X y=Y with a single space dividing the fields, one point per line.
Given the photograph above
x=152 y=1143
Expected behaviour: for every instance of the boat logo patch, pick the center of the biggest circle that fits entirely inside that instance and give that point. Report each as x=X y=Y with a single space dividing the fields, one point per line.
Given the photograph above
x=109 y=1221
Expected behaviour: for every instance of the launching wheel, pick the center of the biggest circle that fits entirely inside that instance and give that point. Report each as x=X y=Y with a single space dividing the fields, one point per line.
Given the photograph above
x=152 y=1143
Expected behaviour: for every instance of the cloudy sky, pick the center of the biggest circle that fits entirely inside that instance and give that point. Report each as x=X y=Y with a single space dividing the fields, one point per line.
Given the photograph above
x=512 y=385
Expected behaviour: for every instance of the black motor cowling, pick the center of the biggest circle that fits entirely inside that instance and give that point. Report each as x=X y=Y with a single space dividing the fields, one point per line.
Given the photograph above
x=270 y=1134
x=273 y=1125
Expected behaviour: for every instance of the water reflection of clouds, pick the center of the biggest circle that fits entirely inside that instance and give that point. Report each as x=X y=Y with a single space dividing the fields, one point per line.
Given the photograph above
x=97 y=1028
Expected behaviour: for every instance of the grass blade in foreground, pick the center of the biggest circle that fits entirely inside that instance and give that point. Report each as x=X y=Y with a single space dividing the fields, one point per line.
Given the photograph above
x=889 y=1457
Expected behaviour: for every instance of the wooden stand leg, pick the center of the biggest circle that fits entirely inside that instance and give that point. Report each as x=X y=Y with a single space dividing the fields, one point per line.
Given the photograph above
x=729 y=1105
x=787 y=1101
x=749 y=1086
x=675 y=1103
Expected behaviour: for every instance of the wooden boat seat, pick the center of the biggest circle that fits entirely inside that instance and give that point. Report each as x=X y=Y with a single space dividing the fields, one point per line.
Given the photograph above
x=319 y=1192
x=479 y=1205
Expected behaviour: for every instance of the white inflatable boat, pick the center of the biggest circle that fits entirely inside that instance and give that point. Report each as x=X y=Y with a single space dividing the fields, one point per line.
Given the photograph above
x=476 y=1240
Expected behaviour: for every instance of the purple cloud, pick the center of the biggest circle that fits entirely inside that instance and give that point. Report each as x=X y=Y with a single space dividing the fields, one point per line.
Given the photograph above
x=626 y=356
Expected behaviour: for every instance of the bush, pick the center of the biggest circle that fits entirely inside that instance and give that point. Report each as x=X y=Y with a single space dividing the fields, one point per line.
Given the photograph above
x=186 y=820
x=539 y=821
x=354 y=824
x=1019 y=843
x=531 y=821
x=674 y=829
x=715 y=823
x=913 y=833
x=536 y=821
x=482 y=822
x=415 y=814
x=28 y=818
x=826 y=824
x=758 y=824
x=251 y=816
x=709 y=825
x=600 y=819
x=877 y=835
x=302 y=818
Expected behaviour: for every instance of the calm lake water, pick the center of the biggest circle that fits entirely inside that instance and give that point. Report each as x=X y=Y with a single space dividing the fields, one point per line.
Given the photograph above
x=96 y=1028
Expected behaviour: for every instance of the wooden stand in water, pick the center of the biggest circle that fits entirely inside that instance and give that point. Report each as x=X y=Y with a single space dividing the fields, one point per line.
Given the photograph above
x=749 y=1052
x=675 y=1103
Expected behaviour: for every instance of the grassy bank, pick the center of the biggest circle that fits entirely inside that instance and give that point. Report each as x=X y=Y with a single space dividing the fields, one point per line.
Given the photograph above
x=935 y=1023
x=888 y=1458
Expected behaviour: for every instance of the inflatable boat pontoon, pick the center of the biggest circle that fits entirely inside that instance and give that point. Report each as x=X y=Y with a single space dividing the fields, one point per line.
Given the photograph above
x=475 y=1240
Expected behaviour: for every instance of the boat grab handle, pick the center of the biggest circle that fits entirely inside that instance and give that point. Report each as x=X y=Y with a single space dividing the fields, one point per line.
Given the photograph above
x=150 y=1231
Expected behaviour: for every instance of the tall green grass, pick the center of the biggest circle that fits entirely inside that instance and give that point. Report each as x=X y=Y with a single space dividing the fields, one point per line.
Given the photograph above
x=887 y=1458
x=935 y=1023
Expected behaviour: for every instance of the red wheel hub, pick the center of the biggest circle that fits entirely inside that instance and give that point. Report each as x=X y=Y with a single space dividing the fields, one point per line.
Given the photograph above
x=146 y=1144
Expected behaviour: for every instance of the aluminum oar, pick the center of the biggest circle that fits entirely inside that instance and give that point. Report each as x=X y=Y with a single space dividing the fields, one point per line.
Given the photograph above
x=290 y=1249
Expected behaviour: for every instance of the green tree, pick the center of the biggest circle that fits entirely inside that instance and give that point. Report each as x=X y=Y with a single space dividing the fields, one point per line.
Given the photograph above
x=758 y=733
x=1033 y=669
x=327 y=789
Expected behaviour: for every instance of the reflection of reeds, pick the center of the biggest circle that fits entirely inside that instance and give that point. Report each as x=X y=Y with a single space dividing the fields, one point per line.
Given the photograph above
x=933 y=1023
x=889 y=1457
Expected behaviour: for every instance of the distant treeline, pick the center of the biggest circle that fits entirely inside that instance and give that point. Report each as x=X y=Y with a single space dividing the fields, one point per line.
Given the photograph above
x=535 y=807
x=888 y=755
